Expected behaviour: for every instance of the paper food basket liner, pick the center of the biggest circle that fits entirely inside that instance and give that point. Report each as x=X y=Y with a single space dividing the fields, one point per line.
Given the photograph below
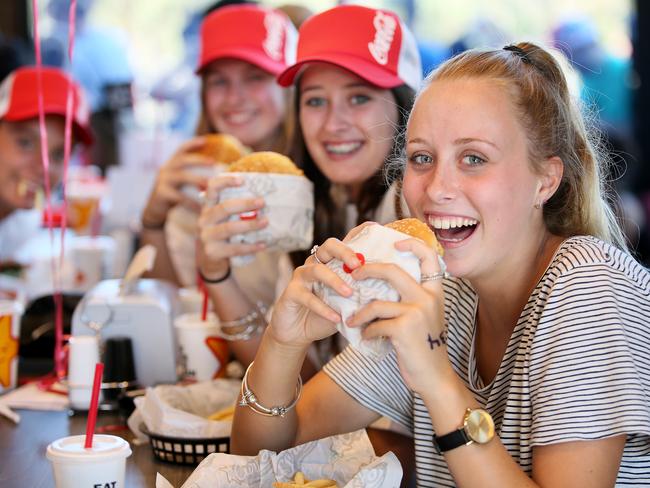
x=289 y=208
x=348 y=459
x=183 y=411
x=377 y=244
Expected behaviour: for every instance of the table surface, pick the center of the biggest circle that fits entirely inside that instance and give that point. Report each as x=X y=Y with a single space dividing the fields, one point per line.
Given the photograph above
x=22 y=447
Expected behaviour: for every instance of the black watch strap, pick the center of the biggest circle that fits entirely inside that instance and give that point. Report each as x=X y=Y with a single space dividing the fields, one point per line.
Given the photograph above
x=451 y=441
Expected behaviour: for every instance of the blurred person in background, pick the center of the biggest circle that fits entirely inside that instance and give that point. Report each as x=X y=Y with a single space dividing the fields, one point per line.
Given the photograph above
x=21 y=166
x=101 y=65
x=606 y=92
x=239 y=97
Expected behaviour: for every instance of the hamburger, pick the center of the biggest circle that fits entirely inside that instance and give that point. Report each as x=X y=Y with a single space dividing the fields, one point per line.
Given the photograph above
x=265 y=162
x=418 y=229
x=223 y=148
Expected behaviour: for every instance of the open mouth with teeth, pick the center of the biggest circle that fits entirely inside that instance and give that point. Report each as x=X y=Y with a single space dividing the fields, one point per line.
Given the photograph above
x=452 y=230
x=343 y=148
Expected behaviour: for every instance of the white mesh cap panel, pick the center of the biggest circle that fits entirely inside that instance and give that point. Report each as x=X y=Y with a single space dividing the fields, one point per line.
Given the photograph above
x=409 y=65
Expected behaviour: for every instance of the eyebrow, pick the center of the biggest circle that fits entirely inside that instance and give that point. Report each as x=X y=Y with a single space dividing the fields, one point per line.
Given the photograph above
x=457 y=142
x=467 y=140
x=349 y=85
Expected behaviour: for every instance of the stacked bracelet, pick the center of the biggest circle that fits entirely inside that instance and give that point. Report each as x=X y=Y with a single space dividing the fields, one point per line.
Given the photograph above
x=252 y=322
x=248 y=399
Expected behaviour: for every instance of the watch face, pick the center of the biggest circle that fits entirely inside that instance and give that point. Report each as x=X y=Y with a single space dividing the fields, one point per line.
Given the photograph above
x=479 y=426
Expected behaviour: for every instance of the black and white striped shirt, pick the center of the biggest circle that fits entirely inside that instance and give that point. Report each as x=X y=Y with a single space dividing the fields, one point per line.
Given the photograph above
x=577 y=366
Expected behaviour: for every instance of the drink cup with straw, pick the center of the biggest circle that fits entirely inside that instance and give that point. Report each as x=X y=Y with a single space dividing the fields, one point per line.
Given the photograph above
x=90 y=460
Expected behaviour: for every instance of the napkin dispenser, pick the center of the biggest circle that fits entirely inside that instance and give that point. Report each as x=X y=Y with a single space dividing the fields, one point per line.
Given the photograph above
x=145 y=314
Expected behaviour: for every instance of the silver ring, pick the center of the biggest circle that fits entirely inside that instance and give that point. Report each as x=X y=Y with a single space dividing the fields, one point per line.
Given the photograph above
x=440 y=275
x=313 y=253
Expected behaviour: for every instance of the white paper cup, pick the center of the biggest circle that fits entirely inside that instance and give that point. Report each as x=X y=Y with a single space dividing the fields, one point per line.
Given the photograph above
x=10 y=314
x=191 y=300
x=93 y=259
x=103 y=465
x=84 y=355
x=288 y=206
x=200 y=362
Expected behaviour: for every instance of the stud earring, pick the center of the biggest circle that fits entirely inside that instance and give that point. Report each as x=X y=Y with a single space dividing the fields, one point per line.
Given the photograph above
x=538 y=205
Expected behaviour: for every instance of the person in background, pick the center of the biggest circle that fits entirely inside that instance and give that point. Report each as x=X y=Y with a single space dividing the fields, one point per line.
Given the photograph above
x=21 y=166
x=101 y=66
x=356 y=73
x=606 y=90
x=239 y=96
x=530 y=366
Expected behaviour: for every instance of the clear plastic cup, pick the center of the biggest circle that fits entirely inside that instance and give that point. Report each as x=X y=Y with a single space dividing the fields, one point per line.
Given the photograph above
x=102 y=466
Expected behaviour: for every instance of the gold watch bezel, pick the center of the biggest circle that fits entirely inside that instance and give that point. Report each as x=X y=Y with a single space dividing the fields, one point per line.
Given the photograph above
x=478 y=425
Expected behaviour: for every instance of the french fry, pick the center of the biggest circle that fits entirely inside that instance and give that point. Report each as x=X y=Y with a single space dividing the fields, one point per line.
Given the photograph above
x=299 y=480
x=324 y=483
x=223 y=414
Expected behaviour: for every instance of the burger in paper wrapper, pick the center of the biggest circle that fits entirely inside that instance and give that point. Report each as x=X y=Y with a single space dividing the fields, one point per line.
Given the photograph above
x=224 y=149
x=288 y=202
x=376 y=243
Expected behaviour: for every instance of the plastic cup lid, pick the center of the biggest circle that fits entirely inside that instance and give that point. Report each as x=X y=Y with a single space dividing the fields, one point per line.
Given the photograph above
x=193 y=321
x=71 y=449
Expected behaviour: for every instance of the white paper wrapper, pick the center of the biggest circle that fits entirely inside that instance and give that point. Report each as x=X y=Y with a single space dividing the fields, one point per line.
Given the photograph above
x=182 y=411
x=377 y=244
x=348 y=459
x=209 y=172
x=288 y=206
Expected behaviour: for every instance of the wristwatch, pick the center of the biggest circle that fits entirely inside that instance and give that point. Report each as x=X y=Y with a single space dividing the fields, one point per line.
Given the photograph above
x=478 y=427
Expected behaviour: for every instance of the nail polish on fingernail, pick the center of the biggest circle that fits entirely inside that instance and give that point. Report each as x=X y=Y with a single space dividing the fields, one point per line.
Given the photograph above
x=362 y=260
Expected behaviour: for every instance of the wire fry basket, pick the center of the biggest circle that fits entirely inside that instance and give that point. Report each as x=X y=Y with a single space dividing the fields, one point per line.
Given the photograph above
x=185 y=451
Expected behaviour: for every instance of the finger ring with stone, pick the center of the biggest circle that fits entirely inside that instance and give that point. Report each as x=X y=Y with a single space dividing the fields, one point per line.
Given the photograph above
x=313 y=253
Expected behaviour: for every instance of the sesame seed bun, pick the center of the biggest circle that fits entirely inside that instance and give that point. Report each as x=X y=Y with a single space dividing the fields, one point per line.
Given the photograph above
x=223 y=148
x=265 y=162
x=417 y=228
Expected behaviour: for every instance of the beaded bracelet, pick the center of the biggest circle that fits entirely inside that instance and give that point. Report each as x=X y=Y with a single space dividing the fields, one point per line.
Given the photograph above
x=248 y=399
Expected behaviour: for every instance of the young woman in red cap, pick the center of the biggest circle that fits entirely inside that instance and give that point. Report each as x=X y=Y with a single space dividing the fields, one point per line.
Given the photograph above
x=356 y=72
x=243 y=49
x=528 y=368
x=21 y=165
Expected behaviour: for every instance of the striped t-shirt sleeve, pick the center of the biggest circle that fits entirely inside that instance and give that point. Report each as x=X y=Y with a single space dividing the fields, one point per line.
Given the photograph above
x=589 y=358
x=377 y=385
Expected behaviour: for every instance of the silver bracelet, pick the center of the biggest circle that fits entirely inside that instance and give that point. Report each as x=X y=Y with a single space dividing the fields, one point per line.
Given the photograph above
x=248 y=399
x=253 y=321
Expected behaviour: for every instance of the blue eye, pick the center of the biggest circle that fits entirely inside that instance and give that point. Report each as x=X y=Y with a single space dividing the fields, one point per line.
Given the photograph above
x=360 y=99
x=473 y=160
x=420 y=159
x=314 y=102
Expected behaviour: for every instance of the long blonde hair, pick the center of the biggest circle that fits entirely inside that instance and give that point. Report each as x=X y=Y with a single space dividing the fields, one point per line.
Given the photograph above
x=555 y=127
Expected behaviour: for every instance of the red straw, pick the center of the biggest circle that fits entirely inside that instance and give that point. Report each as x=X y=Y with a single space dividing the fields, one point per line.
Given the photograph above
x=94 y=404
x=204 y=310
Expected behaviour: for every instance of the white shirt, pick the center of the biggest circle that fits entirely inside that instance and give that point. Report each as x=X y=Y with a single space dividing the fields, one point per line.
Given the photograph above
x=15 y=230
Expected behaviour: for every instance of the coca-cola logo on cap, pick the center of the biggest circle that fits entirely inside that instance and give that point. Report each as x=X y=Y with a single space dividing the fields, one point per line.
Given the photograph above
x=385 y=26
